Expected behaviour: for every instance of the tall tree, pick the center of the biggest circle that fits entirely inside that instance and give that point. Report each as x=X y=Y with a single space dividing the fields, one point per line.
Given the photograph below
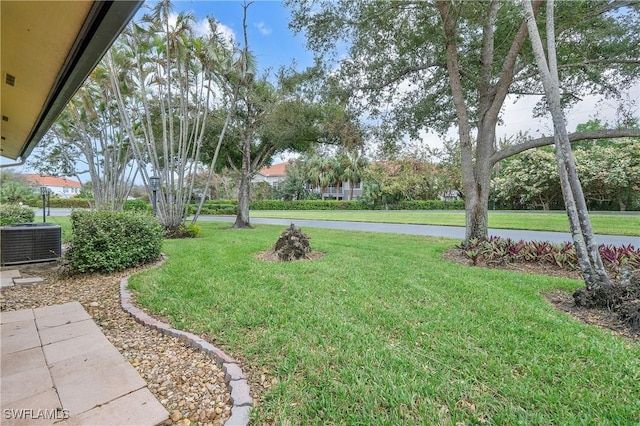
x=430 y=64
x=14 y=189
x=164 y=79
x=294 y=185
x=611 y=173
x=529 y=180
x=87 y=139
x=588 y=255
x=322 y=171
x=353 y=167
x=255 y=99
x=269 y=120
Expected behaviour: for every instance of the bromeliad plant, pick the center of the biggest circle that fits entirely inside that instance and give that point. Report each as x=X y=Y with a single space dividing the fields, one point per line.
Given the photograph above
x=496 y=250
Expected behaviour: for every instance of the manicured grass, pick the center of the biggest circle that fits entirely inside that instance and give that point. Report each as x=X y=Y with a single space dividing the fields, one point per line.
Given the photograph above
x=535 y=221
x=383 y=331
x=63 y=221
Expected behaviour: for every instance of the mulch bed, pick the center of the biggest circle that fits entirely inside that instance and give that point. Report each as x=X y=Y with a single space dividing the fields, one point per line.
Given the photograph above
x=272 y=256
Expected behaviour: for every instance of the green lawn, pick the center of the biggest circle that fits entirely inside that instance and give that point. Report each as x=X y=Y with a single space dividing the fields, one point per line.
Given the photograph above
x=383 y=331
x=63 y=221
x=534 y=221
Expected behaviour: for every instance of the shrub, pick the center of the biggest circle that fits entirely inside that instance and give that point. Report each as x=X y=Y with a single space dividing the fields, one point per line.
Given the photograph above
x=13 y=213
x=108 y=241
x=192 y=230
x=183 y=231
x=137 y=205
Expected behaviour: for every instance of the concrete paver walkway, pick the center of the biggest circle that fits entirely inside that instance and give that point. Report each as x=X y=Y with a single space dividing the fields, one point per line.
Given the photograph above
x=58 y=367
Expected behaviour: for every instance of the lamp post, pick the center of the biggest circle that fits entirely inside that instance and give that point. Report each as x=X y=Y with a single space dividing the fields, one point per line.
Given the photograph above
x=154 y=182
x=43 y=191
x=48 y=202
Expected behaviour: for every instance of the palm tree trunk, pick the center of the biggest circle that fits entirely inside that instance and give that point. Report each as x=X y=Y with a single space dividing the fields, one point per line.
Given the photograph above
x=589 y=259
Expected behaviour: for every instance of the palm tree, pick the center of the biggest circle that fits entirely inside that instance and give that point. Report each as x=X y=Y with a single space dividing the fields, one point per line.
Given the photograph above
x=164 y=102
x=322 y=171
x=86 y=139
x=589 y=260
x=353 y=166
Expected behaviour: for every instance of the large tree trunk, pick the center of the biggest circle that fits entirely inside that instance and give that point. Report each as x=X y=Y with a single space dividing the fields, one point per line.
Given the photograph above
x=476 y=205
x=476 y=170
x=242 y=216
x=622 y=204
x=244 y=192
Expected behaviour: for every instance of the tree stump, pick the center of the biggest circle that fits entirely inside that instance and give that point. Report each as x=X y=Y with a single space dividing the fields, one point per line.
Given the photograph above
x=293 y=244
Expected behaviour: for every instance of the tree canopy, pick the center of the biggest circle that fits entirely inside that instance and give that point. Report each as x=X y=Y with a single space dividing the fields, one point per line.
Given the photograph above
x=435 y=64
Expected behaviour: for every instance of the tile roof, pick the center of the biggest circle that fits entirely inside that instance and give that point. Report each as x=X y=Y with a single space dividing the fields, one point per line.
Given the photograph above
x=275 y=170
x=44 y=180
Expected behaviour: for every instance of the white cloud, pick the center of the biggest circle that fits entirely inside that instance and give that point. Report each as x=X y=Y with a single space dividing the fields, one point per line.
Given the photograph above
x=263 y=28
x=201 y=28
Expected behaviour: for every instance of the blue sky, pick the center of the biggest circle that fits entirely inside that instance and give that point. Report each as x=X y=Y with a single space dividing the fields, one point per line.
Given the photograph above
x=270 y=38
x=275 y=45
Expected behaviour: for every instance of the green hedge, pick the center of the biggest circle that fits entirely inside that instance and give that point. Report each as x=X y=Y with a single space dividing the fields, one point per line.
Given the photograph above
x=430 y=205
x=68 y=203
x=229 y=207
x=307 y=205
x=354 y=205
x=108 y=241
x=224 y=207
x=137 y=205
x=13 y=213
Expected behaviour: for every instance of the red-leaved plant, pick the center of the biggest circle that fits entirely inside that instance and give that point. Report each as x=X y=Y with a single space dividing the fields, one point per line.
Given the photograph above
x=496 y=250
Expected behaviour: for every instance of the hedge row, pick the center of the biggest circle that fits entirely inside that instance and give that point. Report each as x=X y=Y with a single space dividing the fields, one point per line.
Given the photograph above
x=354 y=205
x=67 y=203
x=107 y=241
x=229 y=208
x=307 y=205
x=215 y=208
x=429 y=205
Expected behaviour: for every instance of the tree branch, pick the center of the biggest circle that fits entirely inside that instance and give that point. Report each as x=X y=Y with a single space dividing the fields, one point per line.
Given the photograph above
x=526 y=93
x=509 y=65
x=401 y=75
x=573 y=137
x=579 y=65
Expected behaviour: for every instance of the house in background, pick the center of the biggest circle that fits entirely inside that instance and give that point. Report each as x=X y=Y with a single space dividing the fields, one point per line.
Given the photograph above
x=275 y=174
x=60 y=187
x=338 y=191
